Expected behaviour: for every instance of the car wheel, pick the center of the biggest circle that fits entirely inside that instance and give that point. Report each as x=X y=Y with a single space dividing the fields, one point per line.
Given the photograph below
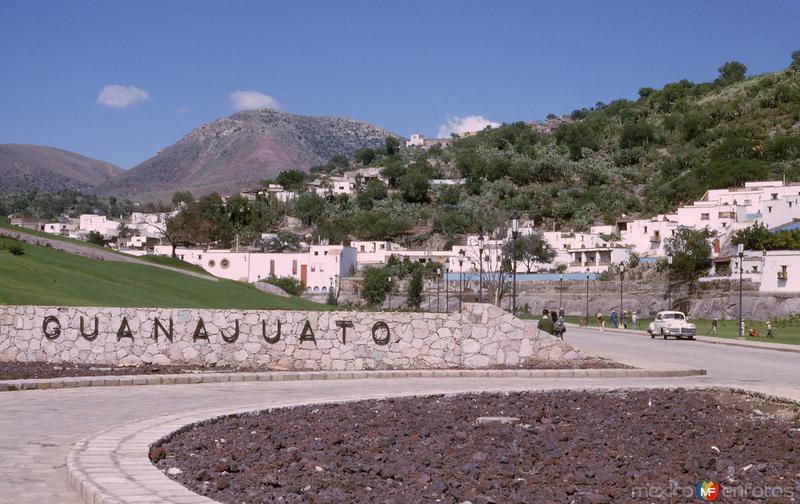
x=663 y=336
x=652 y=335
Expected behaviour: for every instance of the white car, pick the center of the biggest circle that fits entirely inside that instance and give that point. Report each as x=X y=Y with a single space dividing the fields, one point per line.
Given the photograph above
x=672 y=323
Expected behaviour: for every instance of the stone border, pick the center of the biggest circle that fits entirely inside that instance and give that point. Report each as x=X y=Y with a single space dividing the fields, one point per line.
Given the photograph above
x=193 y=378
x=113 y=466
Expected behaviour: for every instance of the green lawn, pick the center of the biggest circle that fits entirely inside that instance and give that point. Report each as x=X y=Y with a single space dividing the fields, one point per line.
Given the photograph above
x=173 y=262
x=725 y=329
x=43 y=276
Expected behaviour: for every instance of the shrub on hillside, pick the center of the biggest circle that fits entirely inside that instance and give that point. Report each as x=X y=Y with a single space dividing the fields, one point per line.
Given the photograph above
x=289 y=285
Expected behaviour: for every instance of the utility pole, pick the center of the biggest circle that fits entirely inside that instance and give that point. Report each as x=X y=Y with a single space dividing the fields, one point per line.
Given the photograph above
x=741 y=270
x=514 y=234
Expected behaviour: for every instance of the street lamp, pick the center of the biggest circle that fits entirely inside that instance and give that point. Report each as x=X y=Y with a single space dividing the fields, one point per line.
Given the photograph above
x=438 y=288
x=481 y=243
x=460 y=278
x=621 y=275
x=560 y=291
x=669 y=285
x=514 y=235
x=447 y=288
x=390 y=292
x=741 y=270
x=587 y=297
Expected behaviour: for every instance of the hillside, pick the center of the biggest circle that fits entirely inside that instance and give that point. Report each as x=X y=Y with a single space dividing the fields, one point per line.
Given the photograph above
x=626 y=158
x=44 y=276
x=236 y=152
x=47 y=169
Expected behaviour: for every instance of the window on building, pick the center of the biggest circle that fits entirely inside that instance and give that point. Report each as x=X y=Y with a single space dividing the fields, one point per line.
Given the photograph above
x=313 y=269
x=704 y=216
x=294 y=267
x=774 y=195
x=362 y=248
x=316 y=252
x=769 y=209
x=272 y=267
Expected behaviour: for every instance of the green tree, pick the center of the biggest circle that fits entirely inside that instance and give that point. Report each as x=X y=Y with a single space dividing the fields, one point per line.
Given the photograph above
x=377 y=285
x=690 y=251
x=188 y=227
x=576 y=137
x=291 y=180
x=731 y=72
x=795 y=60
x=365 y=155
x=529 y=250
x=375 y=190
x=392 y=144
x=414 y=289
x=636 y=134
x=308 y=207
x=393 y=172
x=414 y=187
x=96 y=238
x=182 y=198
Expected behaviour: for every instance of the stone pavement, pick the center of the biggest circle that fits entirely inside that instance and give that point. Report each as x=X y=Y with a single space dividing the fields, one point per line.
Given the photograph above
x=39 y=427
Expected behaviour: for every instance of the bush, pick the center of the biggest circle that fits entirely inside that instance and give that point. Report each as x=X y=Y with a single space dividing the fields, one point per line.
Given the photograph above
x=377 y=285
x=289 y=285
x=14 y=247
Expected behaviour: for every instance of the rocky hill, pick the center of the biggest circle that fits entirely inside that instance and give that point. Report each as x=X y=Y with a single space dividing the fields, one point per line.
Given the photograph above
x=41 y=168
x=236 y=152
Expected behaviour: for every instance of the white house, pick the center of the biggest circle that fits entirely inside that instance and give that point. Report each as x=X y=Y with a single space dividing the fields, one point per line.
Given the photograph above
x=416 y=140
x=317 y=269
x=98 y=223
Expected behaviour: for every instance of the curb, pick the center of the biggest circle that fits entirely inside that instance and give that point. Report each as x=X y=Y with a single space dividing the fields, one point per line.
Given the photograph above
x=113 y=466
x=194 y=378
x=700 y=338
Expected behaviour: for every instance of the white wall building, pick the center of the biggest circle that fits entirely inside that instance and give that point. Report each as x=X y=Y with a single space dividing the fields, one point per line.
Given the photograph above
x=416 y=140
x=317 y=269
x=98 y=223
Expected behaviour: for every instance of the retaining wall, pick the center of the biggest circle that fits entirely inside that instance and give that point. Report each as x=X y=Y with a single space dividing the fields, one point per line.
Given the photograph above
x=481 y=336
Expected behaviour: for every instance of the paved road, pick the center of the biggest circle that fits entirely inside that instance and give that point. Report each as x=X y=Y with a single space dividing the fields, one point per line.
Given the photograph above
x=38 y=427
x=768 y=371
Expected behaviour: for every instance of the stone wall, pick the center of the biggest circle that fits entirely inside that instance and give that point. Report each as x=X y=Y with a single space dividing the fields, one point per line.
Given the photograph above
x=481 y=336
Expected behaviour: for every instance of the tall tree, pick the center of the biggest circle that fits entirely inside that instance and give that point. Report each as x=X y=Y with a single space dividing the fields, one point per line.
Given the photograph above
x=731 y=72
x=529 y=250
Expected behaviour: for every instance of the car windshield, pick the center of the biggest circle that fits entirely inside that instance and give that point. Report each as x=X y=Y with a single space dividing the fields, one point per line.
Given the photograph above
x=678 y=316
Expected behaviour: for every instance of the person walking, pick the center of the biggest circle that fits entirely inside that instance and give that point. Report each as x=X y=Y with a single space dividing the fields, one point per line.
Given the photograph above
x=560 y=328
x=561 y=312
x=714 y=327
x=769 y=329
x=614 y=319
x=635 y=320
x=545 y=323
x=601 y=321
x=554 y=318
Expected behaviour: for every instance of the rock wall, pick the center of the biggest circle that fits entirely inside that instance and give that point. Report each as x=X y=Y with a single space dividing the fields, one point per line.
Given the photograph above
x=481 y=336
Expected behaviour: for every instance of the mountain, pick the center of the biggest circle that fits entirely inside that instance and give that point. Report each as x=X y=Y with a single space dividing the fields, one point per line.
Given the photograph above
x=236 y=152
x=38 y=167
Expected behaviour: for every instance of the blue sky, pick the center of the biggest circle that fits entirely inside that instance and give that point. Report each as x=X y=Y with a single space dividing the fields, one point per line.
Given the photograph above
x=407 y=66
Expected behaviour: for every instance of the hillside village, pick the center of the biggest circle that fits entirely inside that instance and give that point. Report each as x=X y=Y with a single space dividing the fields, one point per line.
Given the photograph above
x=679 y=179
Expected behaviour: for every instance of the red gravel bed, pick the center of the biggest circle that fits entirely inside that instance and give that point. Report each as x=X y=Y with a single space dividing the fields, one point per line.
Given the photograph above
x=38 y=370
x=570 y=447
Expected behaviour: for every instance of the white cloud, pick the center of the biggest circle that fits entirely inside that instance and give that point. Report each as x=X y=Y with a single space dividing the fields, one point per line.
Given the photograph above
x=116 y=96
x=251 y=100
x=459 y=125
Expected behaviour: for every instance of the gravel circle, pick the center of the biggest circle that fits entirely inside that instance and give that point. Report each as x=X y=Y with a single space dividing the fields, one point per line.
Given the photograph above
x=571 y=447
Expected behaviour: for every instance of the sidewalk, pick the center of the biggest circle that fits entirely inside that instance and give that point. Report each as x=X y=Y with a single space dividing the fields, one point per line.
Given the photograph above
x=749 y=343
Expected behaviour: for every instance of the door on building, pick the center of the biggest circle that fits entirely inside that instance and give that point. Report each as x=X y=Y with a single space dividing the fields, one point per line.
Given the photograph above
x=303 y=275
